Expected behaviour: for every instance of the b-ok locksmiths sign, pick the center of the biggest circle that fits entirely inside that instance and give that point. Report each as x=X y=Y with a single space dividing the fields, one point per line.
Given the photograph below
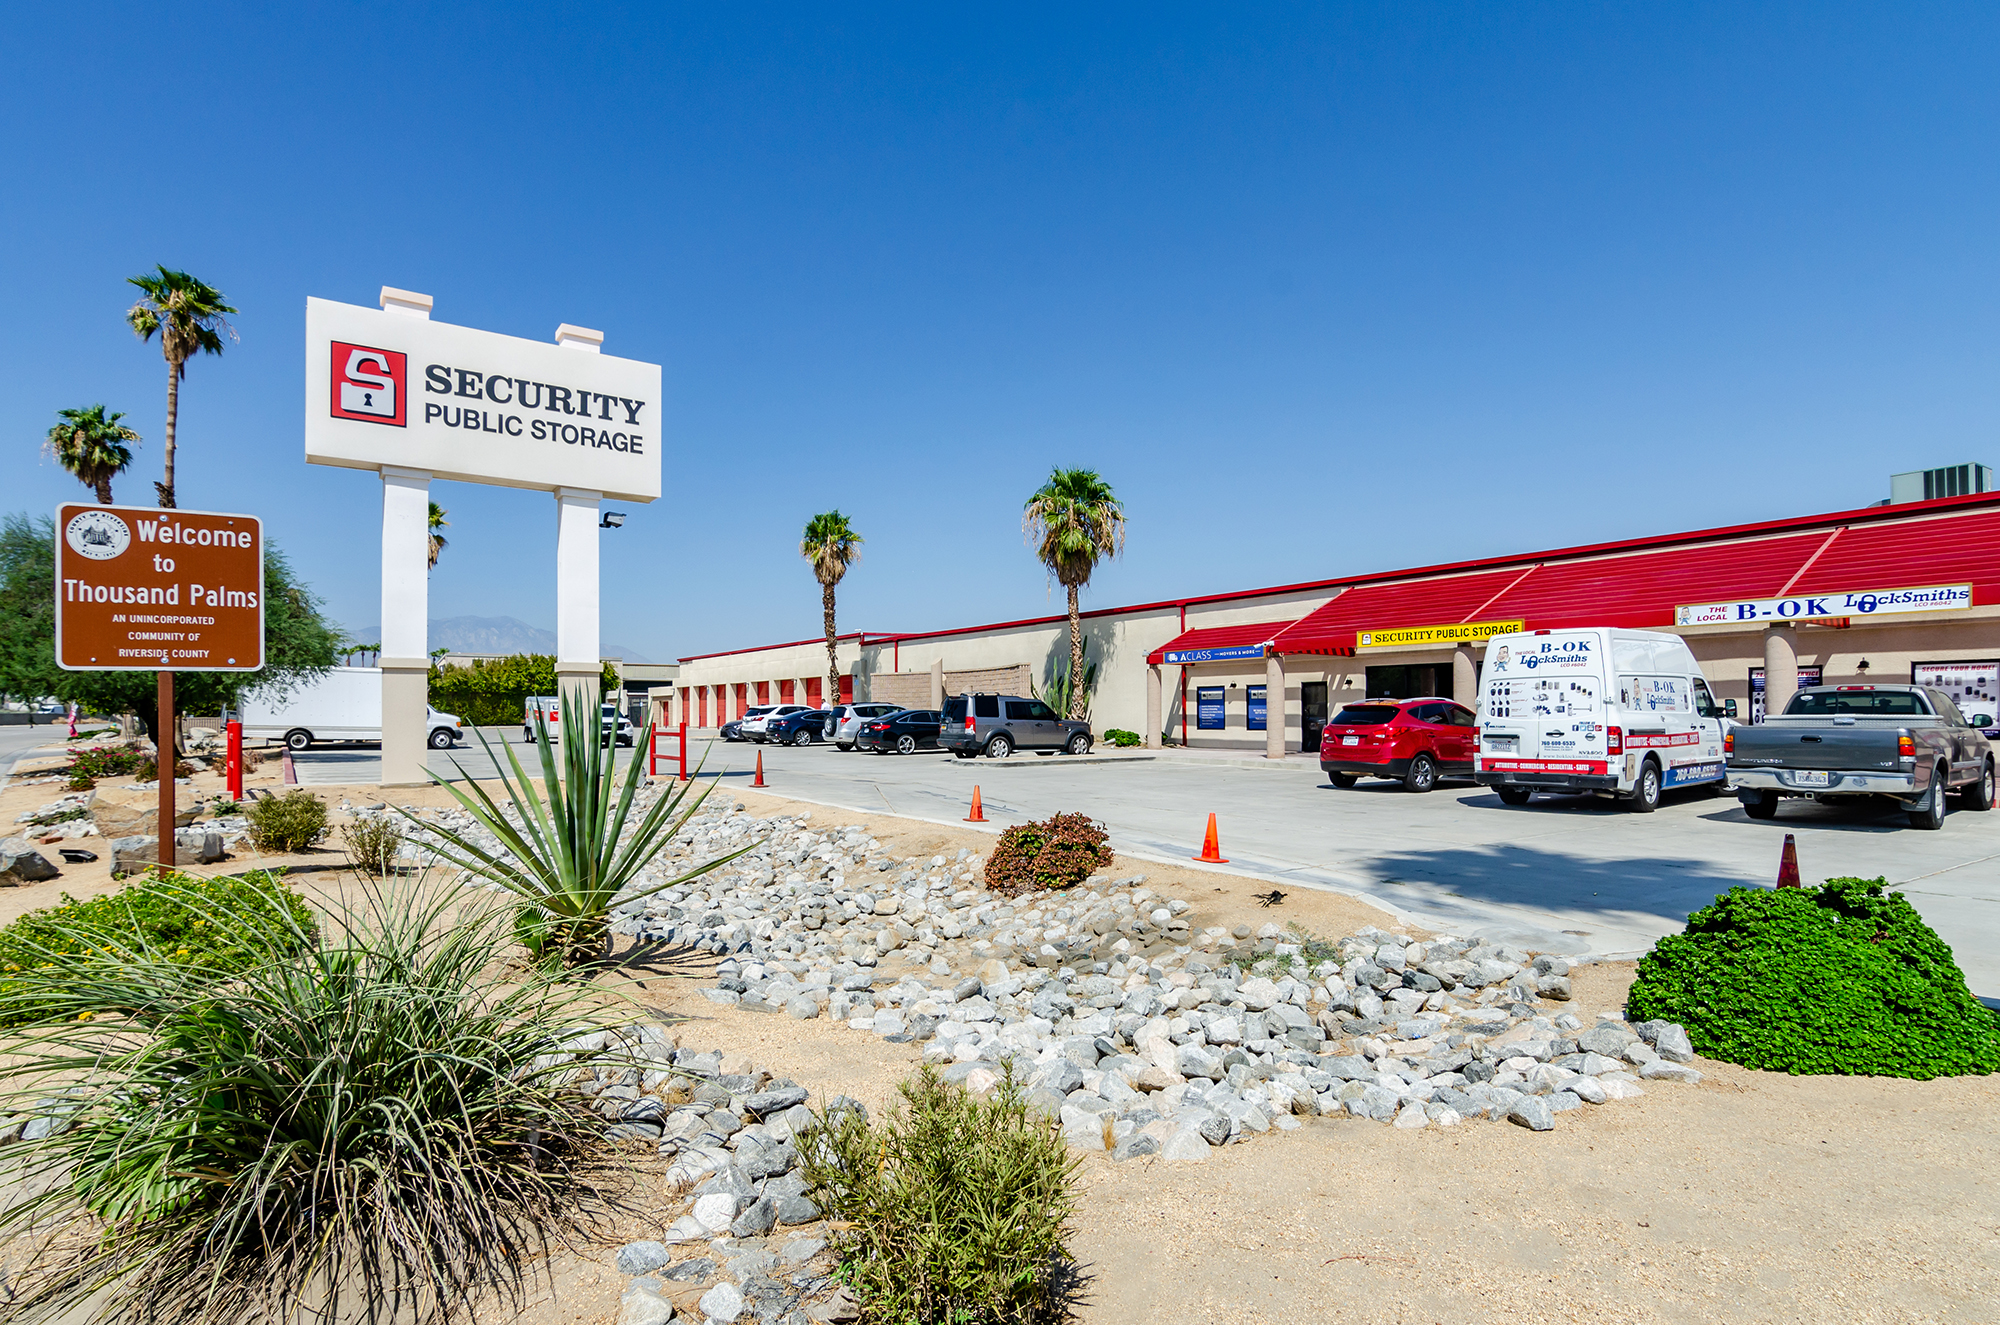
x=383 y=388
x=142 y=589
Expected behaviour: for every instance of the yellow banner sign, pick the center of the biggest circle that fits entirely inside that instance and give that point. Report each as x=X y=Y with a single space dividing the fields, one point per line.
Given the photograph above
x=1463 y=632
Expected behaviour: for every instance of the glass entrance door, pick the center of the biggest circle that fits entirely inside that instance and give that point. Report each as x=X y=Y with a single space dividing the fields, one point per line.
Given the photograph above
x=1312 y=713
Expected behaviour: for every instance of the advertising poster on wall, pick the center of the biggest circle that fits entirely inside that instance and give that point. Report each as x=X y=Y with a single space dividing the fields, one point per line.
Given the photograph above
x=1973 y=686
x=1808 y=676
x=1253 y=707
x=1208 y=708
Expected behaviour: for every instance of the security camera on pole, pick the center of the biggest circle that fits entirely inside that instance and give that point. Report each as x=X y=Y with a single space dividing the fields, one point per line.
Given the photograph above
x=413 y=399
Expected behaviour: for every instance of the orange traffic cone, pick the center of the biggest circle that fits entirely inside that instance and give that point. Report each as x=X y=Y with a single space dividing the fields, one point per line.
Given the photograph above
x=1788 y=864
x=1211 y=849
x=978 y=815
x=758 y=781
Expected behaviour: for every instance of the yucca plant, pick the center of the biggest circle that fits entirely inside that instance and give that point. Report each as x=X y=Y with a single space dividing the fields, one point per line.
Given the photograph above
x=566 y=853
x=365 y=1127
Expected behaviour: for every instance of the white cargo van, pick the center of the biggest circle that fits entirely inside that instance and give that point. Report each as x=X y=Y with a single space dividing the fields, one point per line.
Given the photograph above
x=1625 y=713
x=343 y=705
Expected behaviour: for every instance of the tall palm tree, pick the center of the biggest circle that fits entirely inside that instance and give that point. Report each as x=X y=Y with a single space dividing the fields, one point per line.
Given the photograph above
x=1074 y=522
x=188 y=316
x=831 y=545
x=92 y=446
x=436 y=541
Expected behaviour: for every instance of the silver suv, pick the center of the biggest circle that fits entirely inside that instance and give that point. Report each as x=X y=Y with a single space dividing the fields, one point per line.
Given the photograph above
x=998 y=725
x=846 y=719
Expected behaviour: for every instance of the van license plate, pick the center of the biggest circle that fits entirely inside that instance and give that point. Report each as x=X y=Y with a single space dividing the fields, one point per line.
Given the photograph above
x=1350 y=740
x=1810 y=779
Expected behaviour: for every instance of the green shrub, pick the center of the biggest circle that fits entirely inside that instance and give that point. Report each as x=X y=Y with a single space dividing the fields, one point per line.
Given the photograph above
x=1057 y=853
x=1123 y=739
x=291 y=822
x=372 y=843
x=1844 y=978
x=364 y=1128
x=955 y=1209
x=185 y=920
x=92 y=763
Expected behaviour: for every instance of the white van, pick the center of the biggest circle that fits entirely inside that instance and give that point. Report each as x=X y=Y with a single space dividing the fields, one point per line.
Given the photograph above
x=345 y=704
x=1620 y=712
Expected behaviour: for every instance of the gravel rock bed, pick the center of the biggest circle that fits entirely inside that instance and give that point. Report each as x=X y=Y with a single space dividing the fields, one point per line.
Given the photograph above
x=1138 y=1034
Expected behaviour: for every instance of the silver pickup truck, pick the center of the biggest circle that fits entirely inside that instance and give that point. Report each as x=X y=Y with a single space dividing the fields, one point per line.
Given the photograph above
x=1836 y=743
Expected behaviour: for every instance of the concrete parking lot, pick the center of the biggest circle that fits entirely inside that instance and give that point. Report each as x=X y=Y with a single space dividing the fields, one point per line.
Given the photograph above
x=1563 y=874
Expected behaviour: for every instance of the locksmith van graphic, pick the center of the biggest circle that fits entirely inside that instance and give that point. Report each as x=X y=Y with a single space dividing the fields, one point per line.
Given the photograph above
x=1625 y=713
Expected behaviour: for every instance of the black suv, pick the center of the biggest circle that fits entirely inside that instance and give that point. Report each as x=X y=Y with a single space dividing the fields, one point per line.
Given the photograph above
x=801 y=728
x=998 y=725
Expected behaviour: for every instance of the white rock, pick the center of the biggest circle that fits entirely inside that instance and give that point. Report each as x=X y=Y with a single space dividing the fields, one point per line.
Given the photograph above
x=1661 y=1070
x=1411 y=1116
x=1614 y=1089
x=644 y=1306
x=1588 y=1089
x=1185 y=1146
x=716 y=1211
x=722 y=1303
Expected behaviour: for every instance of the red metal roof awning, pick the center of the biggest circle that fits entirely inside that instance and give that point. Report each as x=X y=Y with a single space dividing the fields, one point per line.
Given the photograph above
x=1443 y=601
x=1217 y=643
x=1639 y=590
x=1962 y=549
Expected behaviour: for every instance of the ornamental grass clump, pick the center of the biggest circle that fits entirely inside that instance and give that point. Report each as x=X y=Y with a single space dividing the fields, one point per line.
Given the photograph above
x=1845 y=978
x=576 y=849
x=1060 y=852
x=365 y=1125
x=223 y=926
x=955 y=1211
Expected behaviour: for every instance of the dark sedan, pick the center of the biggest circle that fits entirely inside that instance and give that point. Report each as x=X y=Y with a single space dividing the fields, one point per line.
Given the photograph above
x=801 y=728
x=905 y=732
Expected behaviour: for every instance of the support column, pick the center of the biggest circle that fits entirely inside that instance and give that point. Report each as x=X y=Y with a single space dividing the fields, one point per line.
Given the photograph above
x=406 y=607
x=1781 y=668
x=1464 y=677
x=1274 y=707
x=937 y=684
x=1156 y=717
x=577 y=665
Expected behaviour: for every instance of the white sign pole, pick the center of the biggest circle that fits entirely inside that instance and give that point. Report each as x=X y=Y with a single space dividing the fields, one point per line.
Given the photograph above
x=578 y=513
x=405 y=659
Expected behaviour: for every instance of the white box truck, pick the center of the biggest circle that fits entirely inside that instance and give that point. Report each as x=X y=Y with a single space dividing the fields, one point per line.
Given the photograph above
x=1624 y=713
x=343 y=705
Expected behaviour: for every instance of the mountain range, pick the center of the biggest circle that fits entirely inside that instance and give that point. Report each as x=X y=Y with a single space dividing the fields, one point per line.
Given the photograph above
x=492 y=634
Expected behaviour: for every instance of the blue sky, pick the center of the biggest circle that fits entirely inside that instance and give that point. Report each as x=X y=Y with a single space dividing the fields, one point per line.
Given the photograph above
x=1321 y=290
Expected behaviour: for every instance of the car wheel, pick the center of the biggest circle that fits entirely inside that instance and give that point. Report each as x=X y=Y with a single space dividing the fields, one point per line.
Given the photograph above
x=843 y=745
x=1423 y=774
x=1930 y=815
x=1514 y=795
x=999 y=748
x=1763 y=806
x=1079 y=744
x=906 y=744
x=803 y=738
x=441 y=739
x=298 y=740
x=1979 y=796
x=1646 y=791
x=1343 y=780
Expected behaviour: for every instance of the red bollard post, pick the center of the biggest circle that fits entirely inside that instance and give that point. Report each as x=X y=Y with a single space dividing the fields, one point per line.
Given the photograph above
x=684 y=749
x=233 y=761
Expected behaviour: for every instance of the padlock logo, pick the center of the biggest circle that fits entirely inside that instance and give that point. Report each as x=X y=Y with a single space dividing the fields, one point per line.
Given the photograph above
x=369 y=384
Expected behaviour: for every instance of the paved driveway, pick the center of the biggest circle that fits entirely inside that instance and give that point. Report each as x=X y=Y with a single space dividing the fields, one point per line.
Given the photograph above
x=1563 y=873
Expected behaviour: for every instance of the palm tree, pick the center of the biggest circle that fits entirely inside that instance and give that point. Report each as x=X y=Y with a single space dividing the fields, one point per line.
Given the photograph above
x=436 y=540
x=831 y=545
x=92 y=446
x=188 y=315
x=1074 y=522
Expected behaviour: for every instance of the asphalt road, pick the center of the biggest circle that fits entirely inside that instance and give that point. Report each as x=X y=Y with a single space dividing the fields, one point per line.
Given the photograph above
x=1562 y=874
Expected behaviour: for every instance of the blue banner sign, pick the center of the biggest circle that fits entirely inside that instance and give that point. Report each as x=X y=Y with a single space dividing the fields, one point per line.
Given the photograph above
x=1254 y=707
x=1182 y=656
x=1208 y=708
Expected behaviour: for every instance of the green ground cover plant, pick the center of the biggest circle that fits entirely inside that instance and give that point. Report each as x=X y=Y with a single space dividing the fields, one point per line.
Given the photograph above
x=1844 y=978
x=956 y=1210
x=221 y=925
x=291 y=822
x=1123 y=739
x=367 y=1124
x=91 y=764
x=1059 y=852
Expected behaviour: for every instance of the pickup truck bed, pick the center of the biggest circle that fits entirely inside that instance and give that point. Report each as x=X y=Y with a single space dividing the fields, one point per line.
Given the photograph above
x=1834 y=743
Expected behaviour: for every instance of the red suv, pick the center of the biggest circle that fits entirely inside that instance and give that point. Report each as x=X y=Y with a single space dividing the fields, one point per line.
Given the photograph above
x=1411 y=741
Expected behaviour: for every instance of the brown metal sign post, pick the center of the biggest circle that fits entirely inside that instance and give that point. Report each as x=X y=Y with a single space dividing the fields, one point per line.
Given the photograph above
x=144 y=589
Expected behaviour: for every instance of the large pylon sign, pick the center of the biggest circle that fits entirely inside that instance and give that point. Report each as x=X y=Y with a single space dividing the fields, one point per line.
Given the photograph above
x=392 y=391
